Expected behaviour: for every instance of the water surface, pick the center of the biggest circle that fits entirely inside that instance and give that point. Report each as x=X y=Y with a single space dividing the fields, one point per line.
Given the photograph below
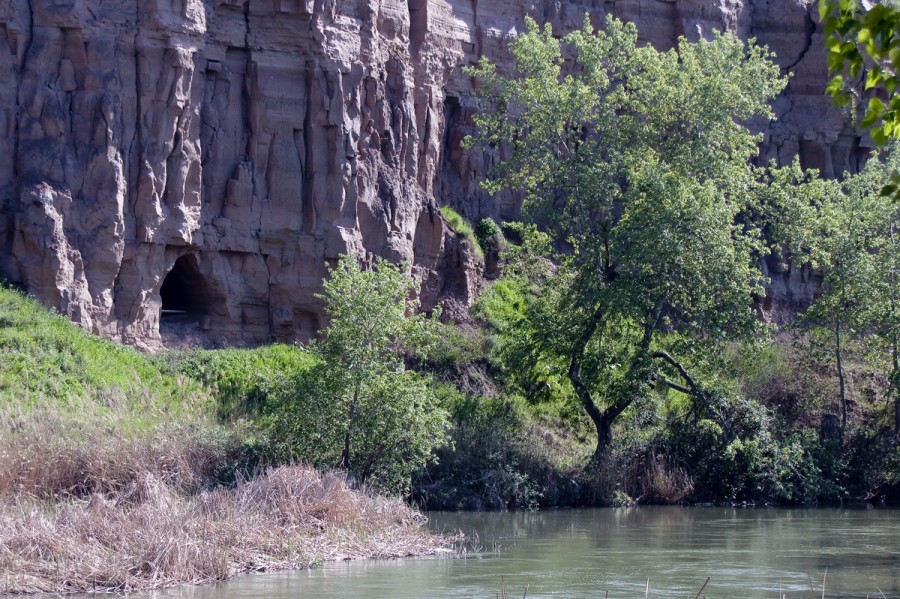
x=586 y=553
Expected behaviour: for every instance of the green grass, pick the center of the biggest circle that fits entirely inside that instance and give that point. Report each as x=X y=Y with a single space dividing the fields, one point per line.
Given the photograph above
x=244 y=378
x=46 y=362
x=462 y=227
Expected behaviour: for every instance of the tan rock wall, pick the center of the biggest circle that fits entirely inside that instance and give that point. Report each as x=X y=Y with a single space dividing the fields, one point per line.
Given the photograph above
x=242 y=144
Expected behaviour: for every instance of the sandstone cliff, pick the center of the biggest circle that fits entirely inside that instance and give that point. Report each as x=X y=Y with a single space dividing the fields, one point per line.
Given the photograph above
x=209 y=157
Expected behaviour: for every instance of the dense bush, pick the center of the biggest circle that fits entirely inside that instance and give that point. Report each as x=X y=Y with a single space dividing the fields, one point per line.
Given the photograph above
x=393 y=429
x=488 y=233
x=500 y=458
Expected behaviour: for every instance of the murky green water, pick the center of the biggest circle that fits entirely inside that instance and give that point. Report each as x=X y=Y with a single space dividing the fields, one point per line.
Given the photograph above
x=585 y=553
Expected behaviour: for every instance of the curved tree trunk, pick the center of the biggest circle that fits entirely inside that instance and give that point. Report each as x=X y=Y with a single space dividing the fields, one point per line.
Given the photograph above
x=603 y=420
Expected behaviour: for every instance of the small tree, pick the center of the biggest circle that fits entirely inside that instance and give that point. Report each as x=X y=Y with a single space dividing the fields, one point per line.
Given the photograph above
x=361 y=410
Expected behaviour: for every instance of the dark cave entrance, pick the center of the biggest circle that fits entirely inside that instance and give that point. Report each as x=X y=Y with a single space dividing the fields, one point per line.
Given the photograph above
x=183 y=293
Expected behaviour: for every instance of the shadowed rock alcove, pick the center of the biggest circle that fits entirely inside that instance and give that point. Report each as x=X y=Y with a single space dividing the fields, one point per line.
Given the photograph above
x=182 y=290
x=188 y=299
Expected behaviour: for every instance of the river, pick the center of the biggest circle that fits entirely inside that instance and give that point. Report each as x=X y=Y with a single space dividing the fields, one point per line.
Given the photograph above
x=746 y=553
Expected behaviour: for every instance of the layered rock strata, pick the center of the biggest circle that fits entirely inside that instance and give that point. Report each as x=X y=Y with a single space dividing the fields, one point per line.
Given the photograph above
x=173 y=167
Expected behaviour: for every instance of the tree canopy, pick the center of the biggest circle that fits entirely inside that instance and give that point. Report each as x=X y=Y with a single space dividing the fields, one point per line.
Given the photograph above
x=863 y=45
x=636 y=163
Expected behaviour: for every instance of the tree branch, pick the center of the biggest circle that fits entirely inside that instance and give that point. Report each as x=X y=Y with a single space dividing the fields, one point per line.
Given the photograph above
x=692 y=388
x=667 y=357
x=675 y=386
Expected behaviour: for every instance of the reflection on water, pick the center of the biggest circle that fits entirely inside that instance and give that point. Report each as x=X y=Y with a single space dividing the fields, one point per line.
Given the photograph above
x=585 y=553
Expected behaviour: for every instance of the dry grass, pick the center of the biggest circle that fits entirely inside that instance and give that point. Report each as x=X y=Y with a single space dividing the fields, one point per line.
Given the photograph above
x=291 y=517
x=52 y=461
x=99 y=510
x=663 y=482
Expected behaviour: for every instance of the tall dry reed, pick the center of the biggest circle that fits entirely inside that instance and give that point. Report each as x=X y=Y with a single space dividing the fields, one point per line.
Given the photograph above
x=95 y=510
x=49 y=459
x=290 y=517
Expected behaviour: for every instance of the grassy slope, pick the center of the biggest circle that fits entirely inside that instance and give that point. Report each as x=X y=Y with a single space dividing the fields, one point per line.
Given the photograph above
x=462 y=227
x=243 y=378
x=48 y=362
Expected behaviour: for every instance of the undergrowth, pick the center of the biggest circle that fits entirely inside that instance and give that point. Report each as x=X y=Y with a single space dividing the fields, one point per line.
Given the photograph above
x=116 y=475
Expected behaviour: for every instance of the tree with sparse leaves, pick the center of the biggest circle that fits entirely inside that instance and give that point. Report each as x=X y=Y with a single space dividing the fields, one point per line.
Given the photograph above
x=361 y=409
x=863 y=42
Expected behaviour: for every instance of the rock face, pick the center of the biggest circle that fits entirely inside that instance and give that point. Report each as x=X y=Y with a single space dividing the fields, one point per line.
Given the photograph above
x=188 y=167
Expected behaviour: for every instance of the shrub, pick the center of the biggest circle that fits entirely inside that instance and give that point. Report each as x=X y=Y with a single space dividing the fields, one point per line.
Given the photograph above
x=482 y=470
x=738 y=456
x=360 y=409
x=488 y=232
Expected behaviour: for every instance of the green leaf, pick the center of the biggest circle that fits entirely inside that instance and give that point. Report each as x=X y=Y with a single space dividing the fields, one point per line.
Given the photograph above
x=876 y=106
x=894 y=56
x=835 y=86
x=873 y=78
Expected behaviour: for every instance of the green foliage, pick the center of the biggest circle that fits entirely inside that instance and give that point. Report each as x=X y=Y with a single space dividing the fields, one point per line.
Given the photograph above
x=732 y=450
x=395 y=427
x=463 y=228
x=637 y=162
x=873 y=463
x=849 y=229
x=243 y=379
x=487 y=232
x=48 y=360
x=514 y=350
x=361 y=409
x=455 y=347
x=498 y=459
x=863 y=43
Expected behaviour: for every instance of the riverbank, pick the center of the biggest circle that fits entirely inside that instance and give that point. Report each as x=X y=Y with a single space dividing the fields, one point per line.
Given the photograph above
x=91 y=506
x=120 y=474
x=155 y=537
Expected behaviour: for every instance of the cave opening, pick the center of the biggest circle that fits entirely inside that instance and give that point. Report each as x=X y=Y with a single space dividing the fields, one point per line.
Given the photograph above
x=182 y=291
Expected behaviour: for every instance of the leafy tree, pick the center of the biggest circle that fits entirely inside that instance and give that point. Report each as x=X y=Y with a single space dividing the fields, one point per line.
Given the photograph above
x=859 y=249
x=864 y=53
x=880 y=266
x=847 y=230
x=361 y=409
x=863 y=40
x=636 y=162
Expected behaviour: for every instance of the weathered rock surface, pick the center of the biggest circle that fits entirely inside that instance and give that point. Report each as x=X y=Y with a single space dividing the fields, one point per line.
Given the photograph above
x=209 y=157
